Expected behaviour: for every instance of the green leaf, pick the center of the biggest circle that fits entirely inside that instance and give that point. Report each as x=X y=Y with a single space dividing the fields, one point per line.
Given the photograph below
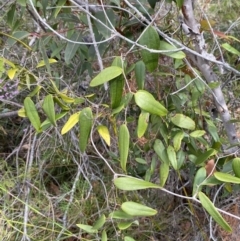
x=136 y=209
x=163 y=172
x=32 y=114
x=142 y=123
x=119 y=214
x=140 y=72
x=59 y=6
x=236 y=166
x=177 y=140
x=106 y=75
x=151 y=40
x=179 y=3
x=123 y=142
x=85 y=125
x=127 y=238
x=104 y=133
x=46 y=124
x=141 y=161
x=172 y=157
x=212 y=129
x=116 y=91
x=204 y=156
x=160 y=149
x=100 y=222
x=176 y=55
x=181 y=157
x=72 y=48
x=198 y=179
x=125 y=225
x=225 y=177
x=131 y=184
x=230 y=49
x=147 y=102
x=197 y=133
x=72 y=121
x=48 y=108
x=87 y=228
x=210 y=208
x=183 y=121
x=104 y=236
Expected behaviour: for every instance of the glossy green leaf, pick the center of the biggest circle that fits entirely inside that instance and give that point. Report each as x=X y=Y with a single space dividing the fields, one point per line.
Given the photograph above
x=210 y=208
x=131 y=184
x=148 y=103
x=197 y=133
x=104 y=236
x=106 y=75
x=200 y=176
x=142 y=123
x=116 y=91
x=136 y=209
x=119 y=214
x=181 y=157
x=177 y=140
x=230 y=49
x=85 y=125
x=32 y=114
x=71 y=122
x=87 y=228
x=49 y=110
x=104 y=133
x=225 y=177
x=123 y=142
x=100 y=222
x=174 y=54
x=150 y=39
x=172 y=157
x=236 y=166
x=164 y=173
x=183 y=121
x=140 y=74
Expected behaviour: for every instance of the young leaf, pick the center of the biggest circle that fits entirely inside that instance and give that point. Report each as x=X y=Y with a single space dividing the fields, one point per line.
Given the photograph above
x=210 y=208
x=48 y=108
x=136 y=209
x=151 y=40
x=100 y=222
x=106 y=75
x=236 y=166
x=197 y=133
x=131 y=184
x=147 y=102
x=183 y=121
x=104 y=133
x=85 y=125
x=172 y=157
x=72 y=121
x=32 y=114
x=225 y=177
x=140 y=74
x=123 y=142
x=142 y=123
x=87 y=228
